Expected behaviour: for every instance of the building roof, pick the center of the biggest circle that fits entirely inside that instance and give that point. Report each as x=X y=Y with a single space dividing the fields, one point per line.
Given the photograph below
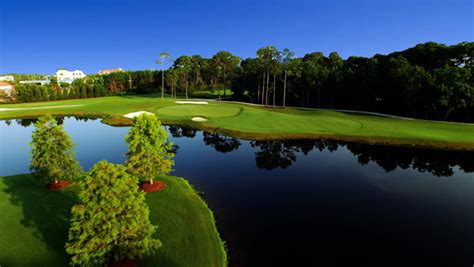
x=110 y=71
x=5 y=84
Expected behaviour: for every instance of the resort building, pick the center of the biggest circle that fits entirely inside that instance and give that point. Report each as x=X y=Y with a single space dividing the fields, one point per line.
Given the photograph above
x=64 y=75
x=7 y=78
x=6 y=88
x=105 y=72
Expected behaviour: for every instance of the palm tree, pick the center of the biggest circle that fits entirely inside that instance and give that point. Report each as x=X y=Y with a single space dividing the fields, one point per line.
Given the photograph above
x=164 y=56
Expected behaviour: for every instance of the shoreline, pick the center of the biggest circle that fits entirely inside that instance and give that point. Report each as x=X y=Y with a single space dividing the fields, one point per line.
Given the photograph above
x=259 y=123
x=121 y=121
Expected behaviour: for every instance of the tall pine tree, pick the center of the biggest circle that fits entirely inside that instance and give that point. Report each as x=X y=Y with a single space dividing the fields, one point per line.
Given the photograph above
x=149 y=152
x=112 y=222
x=52 y=152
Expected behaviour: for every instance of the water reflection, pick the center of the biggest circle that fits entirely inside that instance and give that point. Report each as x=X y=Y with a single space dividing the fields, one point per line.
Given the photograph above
x=179 y=131
x=437 y=162
x=273 y=154
x=338 y=202
x=282 y=154
x=26 y=122
x=221 y=143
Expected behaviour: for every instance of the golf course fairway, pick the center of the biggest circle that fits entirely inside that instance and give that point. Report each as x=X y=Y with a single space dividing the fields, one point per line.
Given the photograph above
x=256 y=122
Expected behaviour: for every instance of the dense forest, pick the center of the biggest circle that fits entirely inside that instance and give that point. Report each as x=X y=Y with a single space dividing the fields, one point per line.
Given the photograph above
x=428 y=81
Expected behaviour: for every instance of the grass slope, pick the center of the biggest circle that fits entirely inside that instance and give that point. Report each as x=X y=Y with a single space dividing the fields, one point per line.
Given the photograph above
x=249 y=121
x=34 y=225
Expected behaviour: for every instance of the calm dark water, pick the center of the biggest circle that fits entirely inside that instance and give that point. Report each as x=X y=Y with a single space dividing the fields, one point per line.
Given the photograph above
x=305 y=203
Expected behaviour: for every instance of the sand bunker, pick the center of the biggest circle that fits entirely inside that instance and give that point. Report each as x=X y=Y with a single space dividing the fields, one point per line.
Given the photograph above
x=192 y=102
x=199 y=119
x=135 y=114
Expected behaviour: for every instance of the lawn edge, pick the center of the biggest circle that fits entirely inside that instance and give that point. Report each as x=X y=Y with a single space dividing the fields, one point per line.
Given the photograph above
x=223 y=246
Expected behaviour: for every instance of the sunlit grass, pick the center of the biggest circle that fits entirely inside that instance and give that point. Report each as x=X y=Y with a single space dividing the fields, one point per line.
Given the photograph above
x=258 y=122
x=34 y=225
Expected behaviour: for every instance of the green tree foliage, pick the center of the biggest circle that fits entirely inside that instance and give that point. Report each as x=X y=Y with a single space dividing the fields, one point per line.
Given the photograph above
x=172 y=77
x=224 y=65
x=286 y=57
x=24 y=93
x=197 y=64
x=149 y=152
x=414 y=82
x=52 y=152
x=54 y=81
x=112 y=221
x=184 y=68
x=268 y=59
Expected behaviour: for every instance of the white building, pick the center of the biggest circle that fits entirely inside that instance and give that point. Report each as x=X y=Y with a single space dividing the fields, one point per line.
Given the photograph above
x=7 y=78
x=64 y=75
x=6 y=88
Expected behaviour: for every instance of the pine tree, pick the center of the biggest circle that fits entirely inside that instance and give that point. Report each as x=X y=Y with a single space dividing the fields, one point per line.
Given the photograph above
x=149 y=152
x=112 y=221
x=83 y=91
x=52 y=152
x=71 y=93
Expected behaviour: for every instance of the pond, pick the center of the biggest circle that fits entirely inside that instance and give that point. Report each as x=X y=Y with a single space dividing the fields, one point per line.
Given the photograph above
x=305 y=202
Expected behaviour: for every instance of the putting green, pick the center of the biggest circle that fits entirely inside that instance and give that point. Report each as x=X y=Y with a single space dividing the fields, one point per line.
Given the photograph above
x=208 y=111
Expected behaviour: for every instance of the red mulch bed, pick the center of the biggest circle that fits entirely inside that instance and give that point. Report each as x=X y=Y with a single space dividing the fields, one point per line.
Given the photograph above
x=123 y=263
x=156 y=186
x=59 y=185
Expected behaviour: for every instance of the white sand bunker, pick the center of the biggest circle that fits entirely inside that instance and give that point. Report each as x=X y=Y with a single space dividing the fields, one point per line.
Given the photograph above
x=192 y=102
x=199 y=119
x=136 y=114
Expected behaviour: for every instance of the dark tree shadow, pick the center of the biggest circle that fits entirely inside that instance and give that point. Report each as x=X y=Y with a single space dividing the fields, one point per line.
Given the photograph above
x=46 y=212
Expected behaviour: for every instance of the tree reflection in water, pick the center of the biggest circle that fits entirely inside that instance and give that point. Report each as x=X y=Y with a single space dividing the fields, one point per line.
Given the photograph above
x=437 y=162
x=221 y=143
x=273 y=154
x=281 y=154
x=178 y=131
x=26 y=122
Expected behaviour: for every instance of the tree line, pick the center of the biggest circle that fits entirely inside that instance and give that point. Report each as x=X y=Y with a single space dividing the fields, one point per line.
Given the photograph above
x=428 y=81
x=81 y=88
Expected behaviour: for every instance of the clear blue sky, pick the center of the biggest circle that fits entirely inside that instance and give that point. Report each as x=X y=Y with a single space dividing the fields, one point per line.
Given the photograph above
x=41 y=37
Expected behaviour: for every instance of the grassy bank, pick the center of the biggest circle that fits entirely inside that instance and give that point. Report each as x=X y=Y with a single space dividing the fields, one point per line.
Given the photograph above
x=249 y=121
x=34 y=225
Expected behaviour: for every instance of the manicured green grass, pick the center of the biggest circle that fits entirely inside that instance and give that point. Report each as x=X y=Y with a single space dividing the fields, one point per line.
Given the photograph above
x=249 y=121
x=184 y=110
x=34 y=225
x=212 y=93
